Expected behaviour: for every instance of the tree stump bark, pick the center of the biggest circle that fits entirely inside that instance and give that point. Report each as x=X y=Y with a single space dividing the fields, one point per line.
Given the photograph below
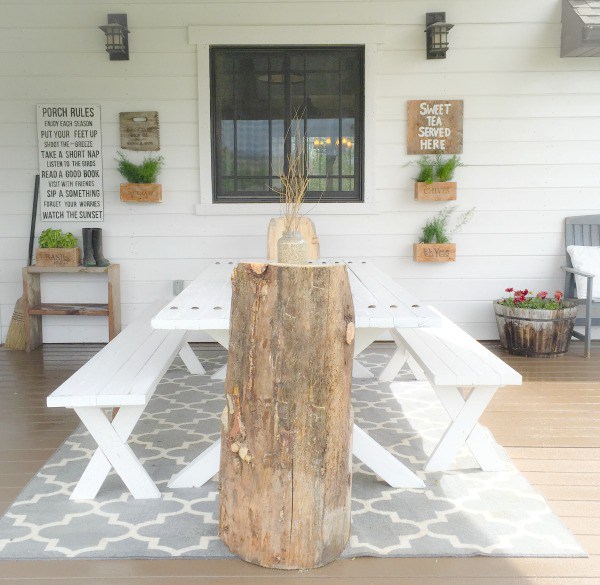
x=286 y=431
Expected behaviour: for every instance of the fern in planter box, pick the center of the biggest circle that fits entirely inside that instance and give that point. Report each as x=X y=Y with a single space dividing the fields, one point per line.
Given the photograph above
x=434 y=244
x=57 y=249
x=434 y=182
x=141 y=186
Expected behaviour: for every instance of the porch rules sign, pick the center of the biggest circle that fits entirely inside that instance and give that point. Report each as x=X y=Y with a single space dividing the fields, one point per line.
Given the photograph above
x=70 y=160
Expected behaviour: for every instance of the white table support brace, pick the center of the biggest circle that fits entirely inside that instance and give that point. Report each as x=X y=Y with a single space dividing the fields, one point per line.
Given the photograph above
x=369 y=451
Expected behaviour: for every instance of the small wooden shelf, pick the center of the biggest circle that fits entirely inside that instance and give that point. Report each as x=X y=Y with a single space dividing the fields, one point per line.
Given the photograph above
x=89 y=309
x=34 y=309
x=63 y=269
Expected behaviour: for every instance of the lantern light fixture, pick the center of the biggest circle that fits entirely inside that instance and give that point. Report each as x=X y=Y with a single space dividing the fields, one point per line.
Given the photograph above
x=117 y=37
x=436 y=32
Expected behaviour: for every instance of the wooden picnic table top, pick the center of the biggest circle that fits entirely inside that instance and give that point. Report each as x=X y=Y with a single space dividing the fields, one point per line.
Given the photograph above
x=379 y=301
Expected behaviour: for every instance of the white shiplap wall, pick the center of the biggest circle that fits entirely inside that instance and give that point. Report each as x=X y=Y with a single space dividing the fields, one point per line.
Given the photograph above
x=531 y=147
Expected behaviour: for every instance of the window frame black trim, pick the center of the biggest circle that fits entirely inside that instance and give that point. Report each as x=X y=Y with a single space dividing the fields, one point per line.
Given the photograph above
x=357 y=196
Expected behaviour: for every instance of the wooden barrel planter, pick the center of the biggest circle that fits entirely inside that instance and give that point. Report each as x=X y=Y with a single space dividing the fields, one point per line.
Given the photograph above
x=535 y=332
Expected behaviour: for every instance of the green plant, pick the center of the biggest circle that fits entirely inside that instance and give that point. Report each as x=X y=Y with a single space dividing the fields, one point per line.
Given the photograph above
x=444 y=169
x=426 y=170
x=525 y=299
x=438 y=169
x=146 y=172
x=437 y=229
x=56 y=239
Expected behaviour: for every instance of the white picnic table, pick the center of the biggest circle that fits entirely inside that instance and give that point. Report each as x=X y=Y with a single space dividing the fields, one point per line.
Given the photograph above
x=380 y=304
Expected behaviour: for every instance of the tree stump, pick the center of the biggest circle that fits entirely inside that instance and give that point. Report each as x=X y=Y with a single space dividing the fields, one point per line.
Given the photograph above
x=285 y=475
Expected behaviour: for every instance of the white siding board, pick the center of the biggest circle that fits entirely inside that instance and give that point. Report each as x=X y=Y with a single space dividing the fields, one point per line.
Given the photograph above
x=532 y=138
x=273 y=13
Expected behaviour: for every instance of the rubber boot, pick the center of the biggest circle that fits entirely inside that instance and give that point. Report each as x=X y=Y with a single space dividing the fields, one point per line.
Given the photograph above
x=97 y=246
x=88 y=251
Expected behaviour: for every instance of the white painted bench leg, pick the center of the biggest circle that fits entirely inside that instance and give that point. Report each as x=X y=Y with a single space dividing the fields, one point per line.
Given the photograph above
x=200 y=470
x=191 y=361
x=478 y=441
x=382 y=462
x=464 y=421
x=369 y=451
x=115 y=449
x=98 y=468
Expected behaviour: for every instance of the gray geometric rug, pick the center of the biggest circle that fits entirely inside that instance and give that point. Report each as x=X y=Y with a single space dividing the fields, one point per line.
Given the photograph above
x=463 y=512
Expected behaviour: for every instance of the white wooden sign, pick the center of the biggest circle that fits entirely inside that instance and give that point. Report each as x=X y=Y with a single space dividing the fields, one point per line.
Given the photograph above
x=70 y=160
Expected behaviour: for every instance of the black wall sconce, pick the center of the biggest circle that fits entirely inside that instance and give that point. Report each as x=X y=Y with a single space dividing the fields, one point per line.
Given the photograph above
x=437 y=35
x=117 y=37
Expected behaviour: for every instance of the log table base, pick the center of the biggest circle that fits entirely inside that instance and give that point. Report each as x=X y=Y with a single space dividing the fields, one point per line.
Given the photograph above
x=286 y=430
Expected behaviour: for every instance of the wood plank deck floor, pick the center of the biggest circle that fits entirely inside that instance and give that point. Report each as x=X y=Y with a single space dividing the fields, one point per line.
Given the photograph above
x=550 y=427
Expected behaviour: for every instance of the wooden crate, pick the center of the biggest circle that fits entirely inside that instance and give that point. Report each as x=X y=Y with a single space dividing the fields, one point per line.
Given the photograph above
x=435 y=191
x=58 y=257
x=141 y=192
x=434 y=252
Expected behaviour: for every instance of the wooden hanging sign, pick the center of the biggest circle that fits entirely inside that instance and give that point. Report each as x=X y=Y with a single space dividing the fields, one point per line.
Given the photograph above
x=435 y=127
x=139 y=130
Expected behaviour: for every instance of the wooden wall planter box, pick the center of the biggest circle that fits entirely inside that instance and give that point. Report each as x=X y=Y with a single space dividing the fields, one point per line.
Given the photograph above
x=435 y=191
x=58 y=257
x=141 y=192
x=434 y=252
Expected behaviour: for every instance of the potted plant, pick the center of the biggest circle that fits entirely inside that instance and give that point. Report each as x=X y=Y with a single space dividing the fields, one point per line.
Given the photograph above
x=294 y=181
x=434 y=180
x=57 y=249
x=141 y=186
x=434 y=244
x=535 y=325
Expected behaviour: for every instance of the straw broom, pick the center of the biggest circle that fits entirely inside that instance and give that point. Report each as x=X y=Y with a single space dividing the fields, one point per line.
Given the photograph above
x=16 y=337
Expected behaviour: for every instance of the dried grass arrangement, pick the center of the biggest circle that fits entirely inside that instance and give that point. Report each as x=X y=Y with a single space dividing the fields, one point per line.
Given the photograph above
x=294 y=180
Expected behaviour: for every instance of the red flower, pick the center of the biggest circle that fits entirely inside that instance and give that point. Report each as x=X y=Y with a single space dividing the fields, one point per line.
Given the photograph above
x=542 y=294
x=558 y=295
x=509 y=290
x=525 y=292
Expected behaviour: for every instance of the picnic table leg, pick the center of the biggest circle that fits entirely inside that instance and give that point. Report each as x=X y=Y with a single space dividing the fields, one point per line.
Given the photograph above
x=364 y=338
x=464 y=429
x=370 y=452
x=382 y=462
x=221 y=336
x=200 y=470
x=191 y=361
x=399 y=359
x=113 y=452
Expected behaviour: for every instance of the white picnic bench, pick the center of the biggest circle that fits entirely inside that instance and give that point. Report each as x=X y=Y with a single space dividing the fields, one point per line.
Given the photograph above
x=123 y=375
x=465 y=376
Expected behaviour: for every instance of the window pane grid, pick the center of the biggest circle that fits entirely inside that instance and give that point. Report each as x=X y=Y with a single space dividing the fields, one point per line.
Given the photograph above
x=335 y=96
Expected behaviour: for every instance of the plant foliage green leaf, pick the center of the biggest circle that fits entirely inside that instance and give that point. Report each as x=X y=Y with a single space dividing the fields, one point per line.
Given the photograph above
x=146 y=172
x=57 y=239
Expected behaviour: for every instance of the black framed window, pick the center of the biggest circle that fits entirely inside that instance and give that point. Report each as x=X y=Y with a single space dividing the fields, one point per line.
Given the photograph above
x=255 y=94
